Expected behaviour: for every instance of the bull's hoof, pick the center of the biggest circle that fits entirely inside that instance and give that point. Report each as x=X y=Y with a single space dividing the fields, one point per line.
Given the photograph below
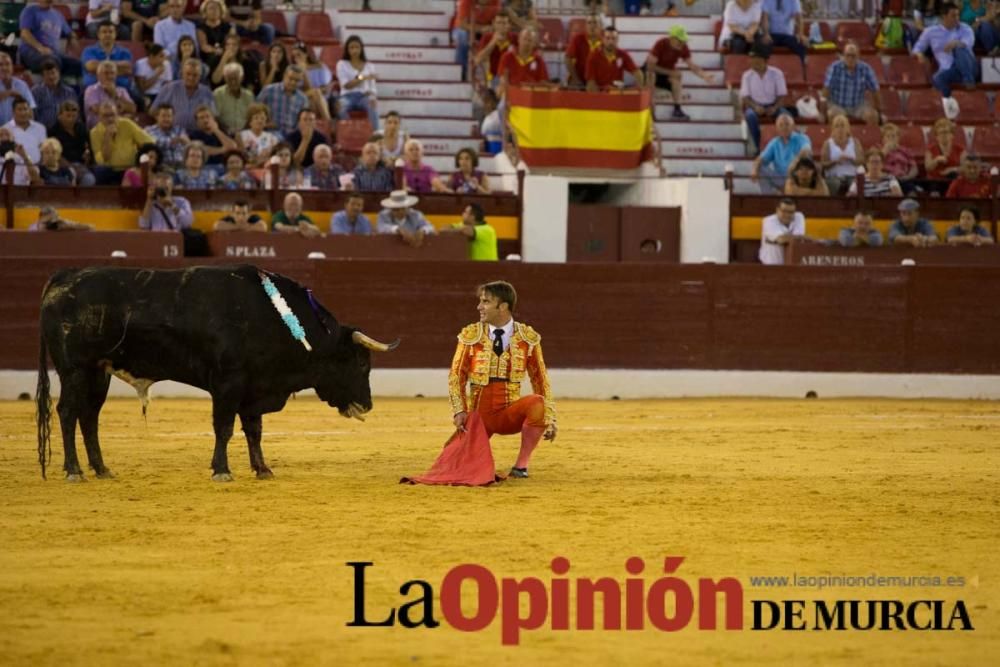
x=75 y=477
x=222 y=477
x=105 y=474
x=265 y=474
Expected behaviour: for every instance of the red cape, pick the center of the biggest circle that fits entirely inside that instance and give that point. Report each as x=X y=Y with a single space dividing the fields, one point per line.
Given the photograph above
x=467 y=459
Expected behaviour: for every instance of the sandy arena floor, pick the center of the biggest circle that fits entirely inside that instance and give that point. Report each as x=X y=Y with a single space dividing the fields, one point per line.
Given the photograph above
x=162 y=565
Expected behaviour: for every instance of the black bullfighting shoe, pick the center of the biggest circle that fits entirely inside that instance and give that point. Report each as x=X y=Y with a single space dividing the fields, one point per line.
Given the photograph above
x=521 y=473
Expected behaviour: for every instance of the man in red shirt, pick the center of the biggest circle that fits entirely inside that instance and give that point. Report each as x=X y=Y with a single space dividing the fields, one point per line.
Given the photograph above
x=971 y=183
x=524 y=65
x=472 y=19
x=661 y=66
x=609 y=64
x=580 y=46
x=493 y=45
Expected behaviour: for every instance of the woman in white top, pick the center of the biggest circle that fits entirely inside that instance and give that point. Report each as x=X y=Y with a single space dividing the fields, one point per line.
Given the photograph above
x=740 y=26
x=255 y=141
x=357 y=82
x=393 y=139
x=841 y=155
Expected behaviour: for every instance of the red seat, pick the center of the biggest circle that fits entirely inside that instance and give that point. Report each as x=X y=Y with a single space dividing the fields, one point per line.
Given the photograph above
x=912 y=137
x=858 y=32
x=908 y=72
x=973 y=106
x=330 y=55
x=352 y=135
x=817 y=134
x=825 y=31
x=986 y=142
x=137 y=49
x=892 y=106
x=734 y=66
x=789 y=64
x=315 y=28
x=551 y=32
x=924 y=106
x=276 y=19
x=868 y=135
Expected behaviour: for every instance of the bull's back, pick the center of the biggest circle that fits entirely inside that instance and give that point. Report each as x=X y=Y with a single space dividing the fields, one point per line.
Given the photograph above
x=140 y=320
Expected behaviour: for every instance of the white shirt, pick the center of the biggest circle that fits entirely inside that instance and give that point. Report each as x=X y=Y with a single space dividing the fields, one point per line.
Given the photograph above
x=736 y=15
x=508 y=331
x=143 y=69
x=772 y=252
x=30 y=138
x=346 y=73
x=21 y=175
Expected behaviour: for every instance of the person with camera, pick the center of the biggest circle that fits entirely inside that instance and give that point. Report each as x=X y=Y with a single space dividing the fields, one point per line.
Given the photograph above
x=163 y=211
x=49 y=220
x=14 y=157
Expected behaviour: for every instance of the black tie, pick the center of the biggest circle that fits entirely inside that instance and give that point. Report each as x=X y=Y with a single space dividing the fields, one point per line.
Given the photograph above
x=498 y=342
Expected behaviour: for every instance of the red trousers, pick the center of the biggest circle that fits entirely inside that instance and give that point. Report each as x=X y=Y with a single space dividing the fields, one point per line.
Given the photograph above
x=507 y=419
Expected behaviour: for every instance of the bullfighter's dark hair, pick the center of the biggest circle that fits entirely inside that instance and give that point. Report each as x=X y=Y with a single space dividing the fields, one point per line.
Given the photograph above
x=502 y=291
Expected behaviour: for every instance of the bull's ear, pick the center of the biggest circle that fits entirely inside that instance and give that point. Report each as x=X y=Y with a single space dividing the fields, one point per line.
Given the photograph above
x=372 y=344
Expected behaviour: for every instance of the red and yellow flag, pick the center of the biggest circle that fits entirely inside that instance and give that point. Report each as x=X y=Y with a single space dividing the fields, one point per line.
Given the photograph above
x=565 y=128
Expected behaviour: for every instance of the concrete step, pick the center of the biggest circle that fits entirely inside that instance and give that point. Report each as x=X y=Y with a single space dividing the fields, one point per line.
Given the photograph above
x=399 y=5
x=448 y=145
x=394 y=36
x=692 y=95
x=411 y=54
x=706 y=166
x=351 y=21
x=641 y=41
x=695 y=148
x=429 y=107
x=744 y=186
x=703 y=131
x=418 y=72
x=424 y=91
x=721 y=112
x=430 y=126
x=445 y=164
x=660 y=24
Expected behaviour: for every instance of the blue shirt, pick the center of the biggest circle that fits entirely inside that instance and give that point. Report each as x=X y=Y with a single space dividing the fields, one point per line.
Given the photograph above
x=46 y=25
x=847 y=88
x=413 y=222
x=956 y=230
x=7 y=105
x=167 y=32
x=937 y=36
x=339 y=224
x=780 y=155
x=922 y=227
x=176 y=95
x=97 y=52
x=847 y=235
x=379 y=179
x=781 y=15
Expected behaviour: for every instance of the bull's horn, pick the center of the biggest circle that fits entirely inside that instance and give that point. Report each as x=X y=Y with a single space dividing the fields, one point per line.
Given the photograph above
x=373 y=344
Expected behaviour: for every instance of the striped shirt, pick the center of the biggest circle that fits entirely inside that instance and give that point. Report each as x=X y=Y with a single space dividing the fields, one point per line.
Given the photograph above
x=847 y=88
x=379 y=179
x=284 y=108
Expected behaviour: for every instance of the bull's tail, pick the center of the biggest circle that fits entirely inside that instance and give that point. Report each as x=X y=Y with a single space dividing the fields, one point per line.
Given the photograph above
x=43 y=404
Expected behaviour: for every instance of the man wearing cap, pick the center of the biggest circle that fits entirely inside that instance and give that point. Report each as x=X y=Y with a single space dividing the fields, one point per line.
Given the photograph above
x=609 y=64
x=661 y=66
x=492 y=358
x=397 y=217
x=764 y=94
x=972 y=181
x=851 y=88
x=909 y=228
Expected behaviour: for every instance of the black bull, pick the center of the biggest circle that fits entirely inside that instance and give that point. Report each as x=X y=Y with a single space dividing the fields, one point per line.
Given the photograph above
x=210 y=327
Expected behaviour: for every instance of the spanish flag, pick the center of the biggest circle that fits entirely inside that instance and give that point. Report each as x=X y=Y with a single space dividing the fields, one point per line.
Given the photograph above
x=564 y=128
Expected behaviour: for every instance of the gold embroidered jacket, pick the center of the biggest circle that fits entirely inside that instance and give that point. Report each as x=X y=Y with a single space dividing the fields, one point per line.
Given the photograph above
x=475 y=363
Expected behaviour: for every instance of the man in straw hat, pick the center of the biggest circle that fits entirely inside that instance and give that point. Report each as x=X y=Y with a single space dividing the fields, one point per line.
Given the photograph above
x=661 y=66
x=398 y=217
